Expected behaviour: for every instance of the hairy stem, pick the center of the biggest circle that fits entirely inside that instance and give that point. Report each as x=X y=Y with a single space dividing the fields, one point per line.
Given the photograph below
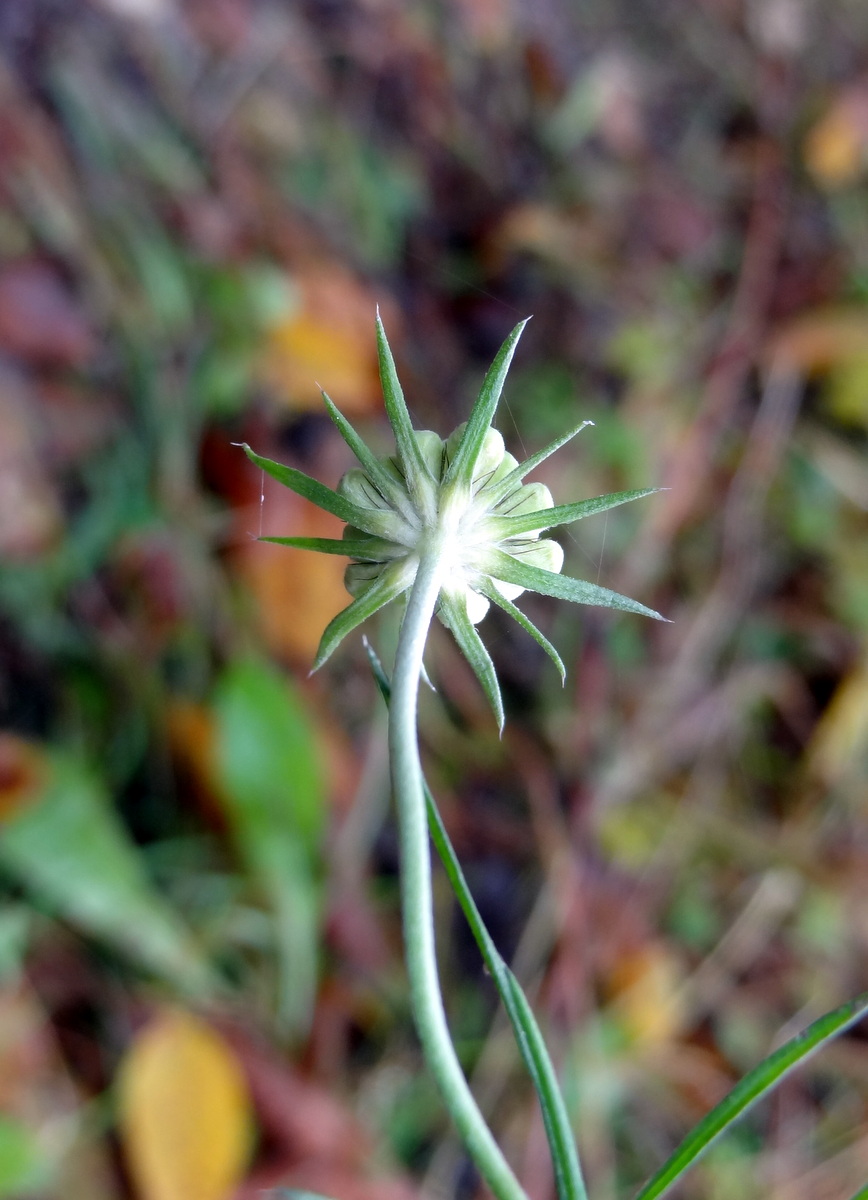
x=417 y=906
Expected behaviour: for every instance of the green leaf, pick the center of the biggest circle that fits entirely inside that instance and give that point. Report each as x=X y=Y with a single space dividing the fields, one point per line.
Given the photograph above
x=505 y=526
x=69 y=848
x=755 y=1085
x=415 y=468
x=568 y=1174
x=491 y=592
x=389 y=584
x=367 y=549
x=274 y=797
x=453 y=614
x=862 y=1194
x=388 y=487
x=562 y=587
x=504 y=486
x=378 y=522
x=460 y=470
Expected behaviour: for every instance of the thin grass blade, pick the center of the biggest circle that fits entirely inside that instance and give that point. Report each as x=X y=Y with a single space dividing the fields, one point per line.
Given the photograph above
x=755 y=1085
x=460 y=470
x=562 y=587
x=568 y=1173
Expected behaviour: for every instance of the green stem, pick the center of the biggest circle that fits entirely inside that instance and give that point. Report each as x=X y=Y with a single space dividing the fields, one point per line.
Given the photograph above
x=418 y=914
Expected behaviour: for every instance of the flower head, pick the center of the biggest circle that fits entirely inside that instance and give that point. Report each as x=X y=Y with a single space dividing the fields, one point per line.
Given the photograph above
x=467 y=493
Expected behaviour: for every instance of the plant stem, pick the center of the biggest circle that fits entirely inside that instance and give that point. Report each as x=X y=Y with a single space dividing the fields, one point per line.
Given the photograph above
x=417 y=904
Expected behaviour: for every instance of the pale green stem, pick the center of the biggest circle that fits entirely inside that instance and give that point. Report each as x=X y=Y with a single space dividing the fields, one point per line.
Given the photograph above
x=418 y=913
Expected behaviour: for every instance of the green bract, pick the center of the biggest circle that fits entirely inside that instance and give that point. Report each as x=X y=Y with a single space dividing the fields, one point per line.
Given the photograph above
x=467 y=494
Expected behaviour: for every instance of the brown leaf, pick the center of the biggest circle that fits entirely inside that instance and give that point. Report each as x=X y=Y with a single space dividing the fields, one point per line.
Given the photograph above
x=185 y=1114
x=23 y=773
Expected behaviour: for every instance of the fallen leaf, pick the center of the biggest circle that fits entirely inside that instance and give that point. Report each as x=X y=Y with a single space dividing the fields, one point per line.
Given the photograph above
x=297 y=592
x=836 y=146
x=839 y=747
x=185 y=1112
x=67 y=846
x=23 y=773
x=646 y=986
x=327 y=340
x=818 y=340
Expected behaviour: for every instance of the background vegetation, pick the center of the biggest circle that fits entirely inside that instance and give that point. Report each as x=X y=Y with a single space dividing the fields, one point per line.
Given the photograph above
x=201 y=202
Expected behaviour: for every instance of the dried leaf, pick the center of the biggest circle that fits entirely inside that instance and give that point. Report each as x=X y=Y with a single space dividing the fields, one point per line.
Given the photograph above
x=328 y=342
x=818 y=340
x=23 y=774
x=297 y=593
x=647 y=985
x=185 y=1112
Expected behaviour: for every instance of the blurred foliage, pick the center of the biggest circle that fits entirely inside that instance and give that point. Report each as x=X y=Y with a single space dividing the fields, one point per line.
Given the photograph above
x=201 y=204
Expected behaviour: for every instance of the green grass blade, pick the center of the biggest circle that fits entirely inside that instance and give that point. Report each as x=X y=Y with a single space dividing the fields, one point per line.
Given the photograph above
x=460 y=470
x=755 y=1085
x=496 y=597
x=563 y=514
x=388 y=585
x=374 y=521
x=568 y=1173
x=453 y=614
x=366 y=549
x=415 y=467
x=386 y=485
x=562 y=587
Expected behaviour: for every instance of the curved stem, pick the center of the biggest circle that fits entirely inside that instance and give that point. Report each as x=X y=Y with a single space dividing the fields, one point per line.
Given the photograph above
x=417 y=906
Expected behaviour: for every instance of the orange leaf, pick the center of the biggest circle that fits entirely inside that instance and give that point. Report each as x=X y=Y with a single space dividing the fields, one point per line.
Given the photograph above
x=328 y=341
x=297 y=592
x=185 y=1112
x=820 y=339
x=23 y=773
x=648 y=999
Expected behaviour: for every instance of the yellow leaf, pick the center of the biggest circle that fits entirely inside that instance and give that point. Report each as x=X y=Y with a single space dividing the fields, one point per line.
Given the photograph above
x=835 y=148
x=185 y=1113
x=328 y=341
x=648 y=994
x=839 y=747
x=297 y=593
